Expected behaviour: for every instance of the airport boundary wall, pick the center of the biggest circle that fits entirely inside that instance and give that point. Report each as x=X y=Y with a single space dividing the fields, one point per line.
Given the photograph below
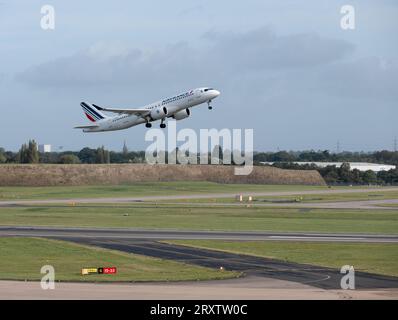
x=114 y=174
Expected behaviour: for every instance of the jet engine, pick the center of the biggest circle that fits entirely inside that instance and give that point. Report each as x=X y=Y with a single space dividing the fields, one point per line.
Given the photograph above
x=182 y=114
x=158 y=113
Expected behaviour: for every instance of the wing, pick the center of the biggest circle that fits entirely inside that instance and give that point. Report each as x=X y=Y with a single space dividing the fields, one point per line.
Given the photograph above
x=139 y=112
x=86 y=127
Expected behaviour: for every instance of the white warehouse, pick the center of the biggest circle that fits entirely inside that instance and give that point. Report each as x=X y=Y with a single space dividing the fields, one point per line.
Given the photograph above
x=44 y=148
x=361 y=166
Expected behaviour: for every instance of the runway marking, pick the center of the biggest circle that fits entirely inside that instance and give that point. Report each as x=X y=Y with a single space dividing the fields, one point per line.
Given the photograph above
x=316 y=237
x=167 y=234
x=313 y=281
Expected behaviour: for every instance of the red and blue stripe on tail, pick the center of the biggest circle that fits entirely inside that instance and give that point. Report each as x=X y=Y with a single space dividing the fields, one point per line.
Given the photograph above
x=91 y=112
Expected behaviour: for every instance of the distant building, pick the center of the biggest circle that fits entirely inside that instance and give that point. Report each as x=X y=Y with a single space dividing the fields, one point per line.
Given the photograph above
x=361 y=166
x=43 y=148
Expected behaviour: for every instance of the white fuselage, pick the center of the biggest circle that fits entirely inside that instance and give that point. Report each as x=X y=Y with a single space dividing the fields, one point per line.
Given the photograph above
x=173 y=105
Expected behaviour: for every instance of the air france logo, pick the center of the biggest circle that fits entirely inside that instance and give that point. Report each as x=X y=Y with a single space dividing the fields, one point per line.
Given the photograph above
x=181 y=96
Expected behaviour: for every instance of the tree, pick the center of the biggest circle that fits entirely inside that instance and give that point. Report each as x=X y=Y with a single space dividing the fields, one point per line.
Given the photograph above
x=102 y=155
x=69 y=159
x=50 y=157
x=356 y=176
x=33 y=153
x=28 y=153
x=388 y=177
x=369 y=177
x=282 y=156
x=3 y=158
x=11 y=156
x=87 y=155
x=125 y=149
x=345 y=172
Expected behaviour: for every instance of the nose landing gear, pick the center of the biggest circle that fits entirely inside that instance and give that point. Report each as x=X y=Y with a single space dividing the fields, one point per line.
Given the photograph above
x=208 y=105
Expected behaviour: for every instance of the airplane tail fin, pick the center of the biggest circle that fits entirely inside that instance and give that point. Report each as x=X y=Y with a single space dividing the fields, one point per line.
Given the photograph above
x=92 y=112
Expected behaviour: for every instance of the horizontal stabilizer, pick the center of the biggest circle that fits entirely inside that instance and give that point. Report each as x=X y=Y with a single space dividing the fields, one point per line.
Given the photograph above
x=86 y=127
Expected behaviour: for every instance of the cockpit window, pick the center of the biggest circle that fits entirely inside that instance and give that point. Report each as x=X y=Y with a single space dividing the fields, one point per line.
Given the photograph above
x=207 y=89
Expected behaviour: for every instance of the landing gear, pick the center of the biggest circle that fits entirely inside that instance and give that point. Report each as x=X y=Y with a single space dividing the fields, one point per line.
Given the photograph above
x=208 y=105
x=148 y=125
x=162 y=125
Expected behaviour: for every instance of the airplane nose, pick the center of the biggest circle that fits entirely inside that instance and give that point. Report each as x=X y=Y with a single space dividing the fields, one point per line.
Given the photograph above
x=216 y=93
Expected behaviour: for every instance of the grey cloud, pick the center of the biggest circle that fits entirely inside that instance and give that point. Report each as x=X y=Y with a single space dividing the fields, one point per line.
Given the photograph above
x=222 y=57
x=192 y=10
x=263 y=49
x=370 y=77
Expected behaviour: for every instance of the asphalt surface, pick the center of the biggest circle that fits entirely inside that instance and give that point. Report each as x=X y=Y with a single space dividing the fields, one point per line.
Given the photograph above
x=320 y=277
x=145 y=234
x=145 y=242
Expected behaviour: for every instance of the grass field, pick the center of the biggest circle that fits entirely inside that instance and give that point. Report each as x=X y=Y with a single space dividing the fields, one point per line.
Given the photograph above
x=237 y=218
x=22 y=259
x=305 y=198
x=141 y=189
x=373 y=258
x=389 y=205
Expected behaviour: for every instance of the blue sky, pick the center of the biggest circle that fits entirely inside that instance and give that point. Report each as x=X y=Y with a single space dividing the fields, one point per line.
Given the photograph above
x=285 y=69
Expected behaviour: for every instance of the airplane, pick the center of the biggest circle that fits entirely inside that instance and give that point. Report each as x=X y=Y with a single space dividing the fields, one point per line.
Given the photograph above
x=177 y=107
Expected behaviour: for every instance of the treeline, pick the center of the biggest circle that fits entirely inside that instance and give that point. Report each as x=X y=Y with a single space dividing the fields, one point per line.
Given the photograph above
x=344 y=175
x=384 y=157
x=28 y=153
x=333 y=174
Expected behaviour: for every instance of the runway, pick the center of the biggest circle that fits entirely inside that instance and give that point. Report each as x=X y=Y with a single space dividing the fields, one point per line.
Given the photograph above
x=264 y=278
x=146 y=234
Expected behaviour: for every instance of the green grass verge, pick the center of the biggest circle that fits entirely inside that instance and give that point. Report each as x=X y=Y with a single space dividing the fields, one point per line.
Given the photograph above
x=140 y=189
x=367 y=257
x=306 y=198
x=388 y=205
x=236 y=218
x=22 y=259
